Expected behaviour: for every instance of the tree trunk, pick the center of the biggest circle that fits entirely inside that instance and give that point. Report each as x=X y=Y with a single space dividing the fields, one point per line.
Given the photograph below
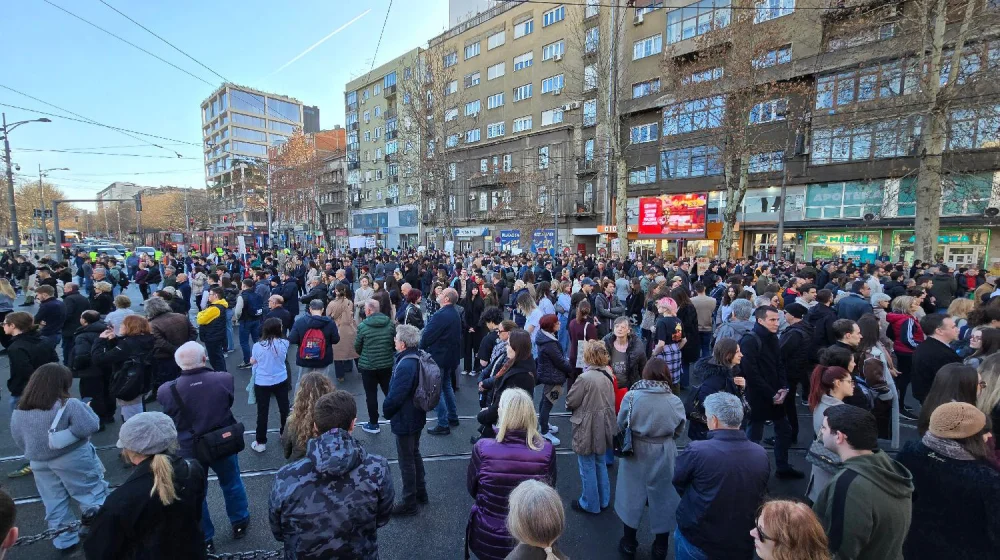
x=736 y=188
x=621 y=204
x=928 y=207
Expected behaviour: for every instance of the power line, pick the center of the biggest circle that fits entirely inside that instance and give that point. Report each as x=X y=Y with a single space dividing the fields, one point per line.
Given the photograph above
x=110 y=147
x=95 y=123
x=379 y=43
x=631 y=4
x=167 y=171
x=101 y=153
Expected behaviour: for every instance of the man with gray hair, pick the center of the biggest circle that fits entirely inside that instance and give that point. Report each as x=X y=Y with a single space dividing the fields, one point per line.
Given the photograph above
x=739 y=322
x=406 y=419
x=442 y=338
x=722 y=481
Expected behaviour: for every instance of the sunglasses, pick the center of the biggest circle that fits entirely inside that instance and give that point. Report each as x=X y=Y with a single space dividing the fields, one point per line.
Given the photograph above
x=761 y=535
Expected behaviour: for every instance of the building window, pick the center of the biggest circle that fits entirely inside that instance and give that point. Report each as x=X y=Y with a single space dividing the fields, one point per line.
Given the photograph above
x=523 y=61
x=593 y=8
x=974 y=128
x=553 y=49
x=495 y=71
x=451 y=87
x=484 y=163
x=496 y=40
x=642 y=176
x=552 y=116
x=451 y=142
x=645 y=133
x=700 y=76
x=494 y=101
x=642 y=89
x=472 y=79
x=769 y=111
x=543 y=157
x=471 y=50
x=852 y=199
x=960 y=194
x=590 y=112
x=391 y=147
x=523 y=28
x=773 y=9
x=389 y=79
x=378 y=154
x=452 y=171
x=697 y=19
x=522 y=92
x=647 y=47
x=522 y=124
x=247 y=134
x=450 y=59
x=376 y=112
x=774 y=57
x=451 y=114
x=767 y=162
x=591 y=40
x=552 y=83
x=879 y=81
x=589 y=77
x=588 y=150
x=553 y=16
x=495 y=130
x=507 y=158
x=874 y=140
x=697 y=114
x=472 y=108
x=697 y=161
x=483 y=202
x=472 y=135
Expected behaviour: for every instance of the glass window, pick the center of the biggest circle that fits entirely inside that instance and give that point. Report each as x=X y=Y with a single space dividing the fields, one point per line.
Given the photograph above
x=700 y=76
x=873 y=140
x=507 y=160
x=495 y=71
x=768 y=111
x=247 y=120
x=494 y=101
x=974 y=128
x=389 y=80
x=522 y=92
x=883 y=80
x=248 y=102
x=554 y=15
x=472 y=108
x=452 y=171
x=767 y=161
x=247 y=134
x=248 y=148
x=278 y=139
x=543 y=157
x=495 y=130
x=774 y=57
x=552 y=83
x=697 y=19
x=496 y=40
x=642 y=89
x=588 y=149
x=449 y=59
x=471 y=50
x=645 y=133
x=772 y=9
x=552 y=116
x=451 y=142
x=284 y=110
x=590 y=112
x=647 y=47
x=697 y=114
x=591 y=40
x=522 y=124
x=523 y=28
x=451 y=87
x=553 y=49
x=642 y=175
x=523 y=61
x=472 y=79
x=589 y=77
x=851 y=199
x=593 y=8
x=484 y=165
x=472 y=135
x=697 y=161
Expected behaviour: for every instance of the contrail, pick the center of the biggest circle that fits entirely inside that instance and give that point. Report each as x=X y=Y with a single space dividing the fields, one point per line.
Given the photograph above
x=321 y=41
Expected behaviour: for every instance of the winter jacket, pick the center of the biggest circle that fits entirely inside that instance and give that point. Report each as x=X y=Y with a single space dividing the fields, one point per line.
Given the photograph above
x=521 y=375
x=732 y=329
x=133 y=524
x=170 y=331
x=290 y=292
x=853 y=307
x=404 y=416
x=764 y=372
x=715 y=378
x=798 y=350
x=606 y=310
x=553 y=368
x=905 y=332
x=330 y=503
x=341 y=310
x=821 y=317
x=115 y=352
x=374 y=342
x=84 y=340
x=592 y=402
x=943 y=288
x=27 y=351
x=635 y=359
x=688 y=316
x=442 y=338
x=208 y=397
x=495 y=469
x=317 y=292
x=928 y=358
x=52 y=312
x=330 y=333
x=875 y=517
x=74 y=304
x=577 y=331
x=212 y=322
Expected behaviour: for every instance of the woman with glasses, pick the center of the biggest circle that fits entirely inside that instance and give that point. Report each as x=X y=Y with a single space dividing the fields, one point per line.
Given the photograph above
x=787 y=530
x=829 y=386
x=983 y=342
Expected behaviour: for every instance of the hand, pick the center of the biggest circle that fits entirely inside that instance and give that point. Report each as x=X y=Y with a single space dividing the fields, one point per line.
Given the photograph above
x=480 y=386
x=108 y=334
x=472 y=329
x=253 y=361
x=740 y=382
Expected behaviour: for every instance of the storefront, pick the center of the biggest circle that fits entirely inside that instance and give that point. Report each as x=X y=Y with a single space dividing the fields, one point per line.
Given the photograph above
x=764 y=245
x=391 y=227
x=472 y=238
x=956 y=248
x=863 y=246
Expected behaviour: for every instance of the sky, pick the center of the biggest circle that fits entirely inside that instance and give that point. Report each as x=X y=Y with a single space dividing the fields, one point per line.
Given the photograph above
x=55 y=57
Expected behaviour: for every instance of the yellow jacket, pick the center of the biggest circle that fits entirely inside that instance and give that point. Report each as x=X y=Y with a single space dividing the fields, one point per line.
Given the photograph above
x=211 y=313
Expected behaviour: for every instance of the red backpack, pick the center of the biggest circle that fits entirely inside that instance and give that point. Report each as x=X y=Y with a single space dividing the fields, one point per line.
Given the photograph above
x=313 y=345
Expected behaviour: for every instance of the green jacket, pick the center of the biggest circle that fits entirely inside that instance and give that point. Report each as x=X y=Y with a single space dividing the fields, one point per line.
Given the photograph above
x=876 y=512
x=374 y=343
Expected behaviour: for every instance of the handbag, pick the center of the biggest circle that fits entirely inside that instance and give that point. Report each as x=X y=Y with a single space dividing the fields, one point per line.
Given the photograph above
x=217 y=443
x=622 y=442
x=60 y=439
x=581 y=345
x=819 y=456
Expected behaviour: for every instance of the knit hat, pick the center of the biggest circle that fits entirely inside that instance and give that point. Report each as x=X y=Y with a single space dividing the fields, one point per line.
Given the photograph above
x=147 y=433
x=956 y=420
x=796 y=310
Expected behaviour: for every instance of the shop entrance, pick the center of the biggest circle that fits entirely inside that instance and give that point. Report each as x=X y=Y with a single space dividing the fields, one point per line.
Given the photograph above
x=961 y=255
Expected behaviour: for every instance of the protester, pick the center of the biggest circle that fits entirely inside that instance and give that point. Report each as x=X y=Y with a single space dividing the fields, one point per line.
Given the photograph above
x=669 y=338
x=270 y=378
x=934 y=352
x=688 y=317
x=212 y=328
x=592 y=402
x=375 y=344
x=582 y=328
x=906 y=333
x=74 y=304
x=983 y=342
x=26 y=352
x=442 y=339
x=739 y=323
x=341 y=310
x=821 y=316
x=247 y=313
x=719 y=373
x=472 y=308
x=299 y=425
x=705 y=306
x=552 y=371
x=536 y=520
x=102 y=299
x=51 y=315
x=798 y=354
x=953 y=383
x=786 y=530
x=628 y=357
x=169 y=331
x=133 y=349
x=156 y=512
x=830 y=385
x=332 y=501
x=878 y=370
x=989 y=397
x=315 y=334
x=517 y=371
x=123 y=308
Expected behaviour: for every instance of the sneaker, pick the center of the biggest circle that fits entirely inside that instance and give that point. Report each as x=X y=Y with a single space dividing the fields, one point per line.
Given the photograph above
x=553 y=429
x=258 y=447
x=240 y=529
x=371 y=428
x=790 y=473
x=439 y=431
x=210 y=547
x=244 y=365
x=404 y=510
x=25 y=470
x=908 y=414
x=552 y=438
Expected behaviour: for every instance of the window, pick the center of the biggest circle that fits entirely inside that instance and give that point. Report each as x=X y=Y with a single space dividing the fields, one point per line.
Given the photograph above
x=697 y=161
x=767 y=161
x=645 y=133
x=495 y=71
x=495 y=40
x=697 y=19
x=543 y=157
x=553 y=49
x=389 y=79
x=247 y=134
x=471 y=50
x=391 y=147
x=553 y=16
x=523 y=28
x=852 y=199
x=472 y=108
x=774 y=57
x=472 y=79
x=450 y=59
x=484 y=164
x=552 y=116
x=522 y=92
x=878 y=81
x=642 y=176
x=591 y=40
x=452 y=141
x=378 y=153
x=965 y=194
x=378 y=132
x=451 y=87
x=853 y=36
x=483 y=202
x=523 y=61
x=495 y=130
x=697 y=114
x=974 y=128
x=451 y=114
x=773 y=9
x=472 y=135
x=494 y=101
x=522 y=124
x=590 y=112
x=769 y=111
x=647 y=47
x=377 y=89
x=642 y=89
x=588 y=149
x=376 y=112
x=452 y=171
x=507 y=160
x=873 y=140
x=700 y=76
x=552 y=83
x=239 y=118
x=593 y=8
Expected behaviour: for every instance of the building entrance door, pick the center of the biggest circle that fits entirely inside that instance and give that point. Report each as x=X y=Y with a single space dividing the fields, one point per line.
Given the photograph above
x=961 y=255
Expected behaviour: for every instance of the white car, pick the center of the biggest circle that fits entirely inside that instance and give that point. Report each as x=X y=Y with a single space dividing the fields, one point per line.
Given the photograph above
x=146 y=250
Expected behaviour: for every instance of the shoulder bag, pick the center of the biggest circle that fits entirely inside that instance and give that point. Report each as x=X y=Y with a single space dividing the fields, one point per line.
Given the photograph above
x=218 y=443
x=622 y=442
x=819 y=456
x=60 y=439
x=581 y=345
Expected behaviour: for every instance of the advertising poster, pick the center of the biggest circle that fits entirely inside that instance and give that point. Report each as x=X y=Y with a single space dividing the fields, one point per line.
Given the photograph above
x=674 y=215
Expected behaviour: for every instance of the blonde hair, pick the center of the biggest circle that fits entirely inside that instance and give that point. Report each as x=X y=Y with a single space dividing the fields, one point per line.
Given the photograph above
x=960 y=308
x=796 y=531
x=535 y=516
x=596 y=354
x=6 y=289
x=102 y=286
x=312 y=386
x=902 y=304
x=517 y=412
x=122 y=301
x=163 y=475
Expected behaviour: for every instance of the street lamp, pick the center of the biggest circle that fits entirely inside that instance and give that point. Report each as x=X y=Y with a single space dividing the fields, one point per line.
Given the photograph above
x=10 y=175
x=41 y=197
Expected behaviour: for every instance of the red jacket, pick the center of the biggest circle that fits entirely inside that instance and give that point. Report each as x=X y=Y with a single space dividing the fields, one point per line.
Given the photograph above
x=905 y=332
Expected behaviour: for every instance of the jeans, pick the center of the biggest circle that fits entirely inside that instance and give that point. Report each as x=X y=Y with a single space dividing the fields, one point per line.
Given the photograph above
x=342 y=368
x=235 y=495
x=706 y=343
x=446 y=408
x=564 y=333
x=544 y=408
x=684 y=550
x=130 y=410
x=249 y=330
x=263 y=395
x=782 y=439
x=596 y=494
x=230 y=346
x=685 y=378
x=67 y=348
x=78 y=474
x=216 y=356
x=411 y=468
x=372 y=379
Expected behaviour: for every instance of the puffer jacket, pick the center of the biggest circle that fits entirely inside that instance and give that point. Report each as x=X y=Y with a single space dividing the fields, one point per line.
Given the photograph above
x=84 y=340
x=552 y=364
x=495 y=470
x=943 y=288
x=330 y=503
x=635 y=359
x=374 y=342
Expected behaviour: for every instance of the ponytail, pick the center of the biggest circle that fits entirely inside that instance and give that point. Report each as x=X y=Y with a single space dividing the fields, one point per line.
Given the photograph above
x=550 y=554
x=821 y=382
x=163 y=479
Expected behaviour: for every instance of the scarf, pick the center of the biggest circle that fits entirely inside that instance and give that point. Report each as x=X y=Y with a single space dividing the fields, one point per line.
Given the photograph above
x=947 y=447
x=650 y=384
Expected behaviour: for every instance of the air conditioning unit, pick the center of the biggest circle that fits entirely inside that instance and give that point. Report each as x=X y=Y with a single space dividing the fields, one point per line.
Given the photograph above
x=556 y=91
x=557 y=57
x=472 y=196
x=571 y=106
x=638 y=19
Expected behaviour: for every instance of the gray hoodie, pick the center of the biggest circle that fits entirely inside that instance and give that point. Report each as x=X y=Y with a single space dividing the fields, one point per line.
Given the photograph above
x=734 y=330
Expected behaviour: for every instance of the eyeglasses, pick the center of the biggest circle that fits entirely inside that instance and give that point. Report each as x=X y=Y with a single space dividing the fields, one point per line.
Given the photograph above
x=761 y=535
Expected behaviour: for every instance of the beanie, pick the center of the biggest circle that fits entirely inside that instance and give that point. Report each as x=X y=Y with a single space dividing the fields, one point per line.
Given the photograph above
x=956 y=420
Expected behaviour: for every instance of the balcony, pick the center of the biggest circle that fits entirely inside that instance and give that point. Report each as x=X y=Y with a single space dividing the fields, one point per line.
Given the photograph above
x=390 y=91
x=483 y=180
x=390 y=114
x=352 y=106
x=355 y=204
x=390 y=158
x=391 y=135
x=352 y=165
x=354 y=126
x=393 y=178
x=586 y=167
x=584 y=207
x=392 y=201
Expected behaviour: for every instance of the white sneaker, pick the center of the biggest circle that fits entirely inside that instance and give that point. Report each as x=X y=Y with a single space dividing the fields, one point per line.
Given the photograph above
x=553 y=429
x=552 y=438
x=261 y=447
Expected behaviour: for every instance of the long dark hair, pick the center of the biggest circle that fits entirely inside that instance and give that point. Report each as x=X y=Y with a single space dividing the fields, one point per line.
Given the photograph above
x=953 y=382
x=271 y=330
x=681 y=296
x=520 y=341
x=48 y=384
x=990 y=343
x=870 y=333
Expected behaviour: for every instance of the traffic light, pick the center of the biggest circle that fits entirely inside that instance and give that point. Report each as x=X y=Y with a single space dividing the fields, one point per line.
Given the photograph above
x=138 y=202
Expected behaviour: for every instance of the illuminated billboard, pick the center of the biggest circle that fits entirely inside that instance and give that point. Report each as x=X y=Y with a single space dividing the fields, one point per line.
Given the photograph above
x=674 y=215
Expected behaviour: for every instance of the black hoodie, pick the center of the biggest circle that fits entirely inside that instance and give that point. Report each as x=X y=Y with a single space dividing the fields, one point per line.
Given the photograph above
x=27 y=351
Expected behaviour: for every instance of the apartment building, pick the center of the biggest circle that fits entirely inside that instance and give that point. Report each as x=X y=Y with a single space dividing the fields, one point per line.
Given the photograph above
x=513 y=95
x=836 y=127
x=302 y=180
x=333 y=207
x=384 y=200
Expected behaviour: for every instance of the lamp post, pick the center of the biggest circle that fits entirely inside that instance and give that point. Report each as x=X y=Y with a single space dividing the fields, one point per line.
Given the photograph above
x=41 y=196
x=10 y=175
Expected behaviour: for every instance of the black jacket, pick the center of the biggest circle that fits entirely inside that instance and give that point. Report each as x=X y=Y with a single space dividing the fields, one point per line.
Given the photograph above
x=635 y=359
x=290 y=292
x=930 y=356
x=798 y=351
x=552 y=366
x=283 y=315
x=132 y=525
x=330 y=333
x=520 y=375
x=102 y=302
x=84 y=340
x=821 y=318
x=26 y=353
x=114 y=353
x=53 y=313
x=75 y=304
x=317 y=292
x=688 y=316
x=764 y=371
x=716 y=378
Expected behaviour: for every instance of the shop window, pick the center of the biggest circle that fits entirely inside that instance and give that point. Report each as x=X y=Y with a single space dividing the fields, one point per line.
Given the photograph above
x=851 y=199
x=960 y=195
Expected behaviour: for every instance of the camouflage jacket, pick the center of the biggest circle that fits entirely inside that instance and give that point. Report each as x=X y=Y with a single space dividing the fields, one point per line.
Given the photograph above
x=329 y=503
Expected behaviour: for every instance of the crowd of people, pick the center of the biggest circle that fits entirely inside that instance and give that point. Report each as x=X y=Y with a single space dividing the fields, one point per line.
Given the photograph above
x=640 y=354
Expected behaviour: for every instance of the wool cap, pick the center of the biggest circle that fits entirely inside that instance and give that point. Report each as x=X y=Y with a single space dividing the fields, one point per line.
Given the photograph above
x=956 y=420
x=796 y=310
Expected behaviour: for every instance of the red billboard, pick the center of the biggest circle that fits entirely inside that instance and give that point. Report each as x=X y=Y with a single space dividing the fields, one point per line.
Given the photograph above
x=674 y=215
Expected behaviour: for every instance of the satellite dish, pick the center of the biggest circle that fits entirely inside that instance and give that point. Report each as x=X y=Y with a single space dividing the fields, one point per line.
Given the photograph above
x=869 y=217
x=992 y=212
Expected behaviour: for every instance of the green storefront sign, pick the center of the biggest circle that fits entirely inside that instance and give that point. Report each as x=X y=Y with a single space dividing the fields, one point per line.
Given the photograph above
x=846 y=238
x=959 y=238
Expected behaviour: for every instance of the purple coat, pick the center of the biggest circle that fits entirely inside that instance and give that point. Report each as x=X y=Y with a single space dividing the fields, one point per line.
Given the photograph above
x=494 y=471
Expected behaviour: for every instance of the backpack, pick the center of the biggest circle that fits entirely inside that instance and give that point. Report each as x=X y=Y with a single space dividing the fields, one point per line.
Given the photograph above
x=231 y=293
x=313 y=345
x=253 y=305
x=131 y=379
x=428 y=391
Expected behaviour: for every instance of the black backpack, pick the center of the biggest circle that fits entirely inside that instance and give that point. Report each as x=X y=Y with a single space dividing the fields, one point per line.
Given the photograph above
x=253 y=306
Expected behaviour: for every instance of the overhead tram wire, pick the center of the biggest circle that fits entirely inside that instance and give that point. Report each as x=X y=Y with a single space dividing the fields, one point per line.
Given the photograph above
x=632 y=5
x=103 y=154
x=379 y=43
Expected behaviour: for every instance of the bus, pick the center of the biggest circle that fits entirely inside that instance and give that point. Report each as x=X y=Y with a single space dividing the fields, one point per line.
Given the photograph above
x=69 y=237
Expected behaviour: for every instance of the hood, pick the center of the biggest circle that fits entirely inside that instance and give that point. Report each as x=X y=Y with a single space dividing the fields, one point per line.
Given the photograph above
x=804 y=326
x=335 y=453
x=378 y=320
x=222 y=302
x=30 y=337
x=943 y=276
x=821 y=309
x=708 y=367
x=896 y=318
x=96 y=328
x=541 y=337
x=742 y=327
x=889 y=475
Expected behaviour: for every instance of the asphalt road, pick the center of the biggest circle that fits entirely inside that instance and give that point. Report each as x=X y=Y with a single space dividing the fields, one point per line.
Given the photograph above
x=438 y=532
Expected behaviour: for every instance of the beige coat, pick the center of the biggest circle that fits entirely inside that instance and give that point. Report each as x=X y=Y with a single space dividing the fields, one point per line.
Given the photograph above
x=592 y=400
x=341 y=310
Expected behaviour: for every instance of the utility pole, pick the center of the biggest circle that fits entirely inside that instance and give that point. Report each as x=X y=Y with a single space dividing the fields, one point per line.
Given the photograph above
x=555 y=217
x=187 y=210
x=12 y=214
x=270 y=238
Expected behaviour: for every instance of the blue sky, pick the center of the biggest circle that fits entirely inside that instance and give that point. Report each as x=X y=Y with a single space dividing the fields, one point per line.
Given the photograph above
x=59 y=59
